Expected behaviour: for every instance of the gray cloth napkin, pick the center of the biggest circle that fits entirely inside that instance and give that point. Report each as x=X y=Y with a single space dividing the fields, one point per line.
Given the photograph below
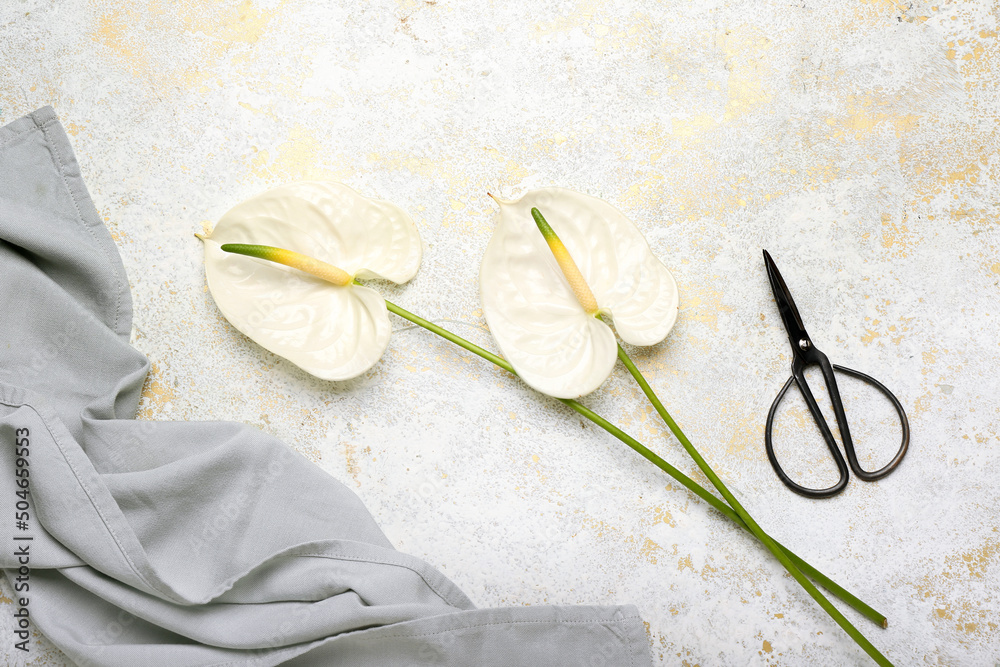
x=196 y=543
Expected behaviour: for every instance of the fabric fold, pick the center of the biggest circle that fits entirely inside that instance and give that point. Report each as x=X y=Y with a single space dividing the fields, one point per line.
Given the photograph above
x=197 y=543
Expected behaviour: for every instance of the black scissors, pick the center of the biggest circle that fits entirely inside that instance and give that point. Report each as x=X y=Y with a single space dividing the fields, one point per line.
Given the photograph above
x=805 y=354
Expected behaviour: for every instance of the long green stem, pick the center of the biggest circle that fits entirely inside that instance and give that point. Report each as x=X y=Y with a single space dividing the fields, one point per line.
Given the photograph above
x=444 y=333
x=700 y=491
x=649 y=455
x=747 y=519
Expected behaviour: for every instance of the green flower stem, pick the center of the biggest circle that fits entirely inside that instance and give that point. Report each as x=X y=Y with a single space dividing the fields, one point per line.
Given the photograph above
x=684 y=480
x=748 y=520
x=444 y=333
x=700 y=491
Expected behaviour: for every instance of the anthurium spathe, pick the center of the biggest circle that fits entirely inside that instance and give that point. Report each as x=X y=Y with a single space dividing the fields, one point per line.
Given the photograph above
x=319 y=320
x=549 y=331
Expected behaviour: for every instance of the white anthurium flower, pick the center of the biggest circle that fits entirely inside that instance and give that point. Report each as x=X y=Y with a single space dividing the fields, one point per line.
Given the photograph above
x=543 y=293
x=334 y=331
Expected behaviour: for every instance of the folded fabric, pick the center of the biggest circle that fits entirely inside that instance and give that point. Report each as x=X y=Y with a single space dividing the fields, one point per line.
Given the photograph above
x=196 y=543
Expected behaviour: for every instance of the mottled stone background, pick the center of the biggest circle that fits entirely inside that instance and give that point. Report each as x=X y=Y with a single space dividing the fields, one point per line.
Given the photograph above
x=857 y=141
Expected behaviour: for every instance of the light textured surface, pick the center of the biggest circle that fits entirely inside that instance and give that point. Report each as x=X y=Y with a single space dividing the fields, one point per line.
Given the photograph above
x=856 y=141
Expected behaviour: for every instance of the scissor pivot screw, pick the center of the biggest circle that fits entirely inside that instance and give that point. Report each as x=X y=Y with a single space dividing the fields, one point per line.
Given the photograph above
x=804 y=344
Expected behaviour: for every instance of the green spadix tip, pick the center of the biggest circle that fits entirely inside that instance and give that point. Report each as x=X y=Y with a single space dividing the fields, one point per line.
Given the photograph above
x=251 y=250
x=543 y=225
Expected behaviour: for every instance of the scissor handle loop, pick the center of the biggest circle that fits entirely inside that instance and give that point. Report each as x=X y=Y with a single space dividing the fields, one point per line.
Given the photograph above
x=852 y=457
x=831 y=444
x=798 y=377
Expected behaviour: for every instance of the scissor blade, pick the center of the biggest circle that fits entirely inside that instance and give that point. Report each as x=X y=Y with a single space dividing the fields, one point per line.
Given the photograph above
x=786 y=305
